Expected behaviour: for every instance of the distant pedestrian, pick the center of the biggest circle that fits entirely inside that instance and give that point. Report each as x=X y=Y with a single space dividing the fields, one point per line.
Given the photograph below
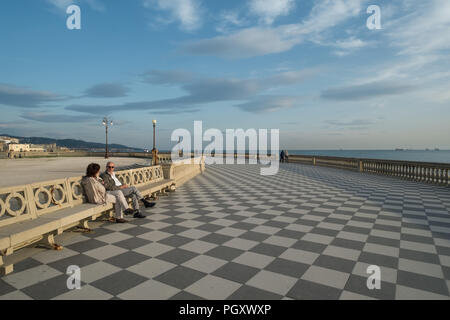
x=282 y=156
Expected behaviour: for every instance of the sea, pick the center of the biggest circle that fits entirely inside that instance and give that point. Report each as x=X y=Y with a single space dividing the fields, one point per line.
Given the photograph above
x=436 y=156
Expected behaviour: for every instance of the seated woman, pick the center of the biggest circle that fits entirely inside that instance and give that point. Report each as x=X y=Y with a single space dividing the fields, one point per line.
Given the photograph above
x=96 y=193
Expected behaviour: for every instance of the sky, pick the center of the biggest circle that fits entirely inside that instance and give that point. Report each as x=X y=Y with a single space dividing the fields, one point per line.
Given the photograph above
x=312 y=69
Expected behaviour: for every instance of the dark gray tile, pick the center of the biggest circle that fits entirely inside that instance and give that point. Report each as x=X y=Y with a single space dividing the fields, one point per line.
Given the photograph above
x=205 y=218
x=216 y=238
x=224 y=253
x=86 y=245
x=119 y=282
x=416 y=238
x=177 y=256
x=290 y=234
x=269 y=249
x=335 y=263
x=175 y=241
x=309 y=246
x=276 y=224
x=79 y=260
x=419 y=256
x=387 y=228
x=378 y=259
x=349 y=244
x=173 y=220
x=127 y=259
x=384 y=241
x=183 y=295
x=174 y=229
x=244 y=226
x=48 y=289
x=26 y=264
x=422 y=282
x=254 y=236
x=307 y=290
x=132 y=243
x=304 y=222
x=358 y=284
x=236 y=217
x=356 y=229
x=209 y=227
x=325 y=232
x=5 y=288
x=236 y=272
x=287 y=267
x=180 y=277
x=98 y=232
x=445 y=251
x=137 y=231
x=251 y=293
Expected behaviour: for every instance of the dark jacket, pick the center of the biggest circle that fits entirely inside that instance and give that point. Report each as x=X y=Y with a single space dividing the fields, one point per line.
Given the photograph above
x=109 y=184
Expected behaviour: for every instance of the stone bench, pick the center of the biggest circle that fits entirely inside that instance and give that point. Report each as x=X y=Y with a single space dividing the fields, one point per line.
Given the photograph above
x=35 y=213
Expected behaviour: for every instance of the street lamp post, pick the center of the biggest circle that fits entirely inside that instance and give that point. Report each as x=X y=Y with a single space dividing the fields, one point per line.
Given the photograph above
x=107 y=123
x=154 y=151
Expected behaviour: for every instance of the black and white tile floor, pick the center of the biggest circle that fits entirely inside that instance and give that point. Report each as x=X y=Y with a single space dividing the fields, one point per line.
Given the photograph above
x=306 y=233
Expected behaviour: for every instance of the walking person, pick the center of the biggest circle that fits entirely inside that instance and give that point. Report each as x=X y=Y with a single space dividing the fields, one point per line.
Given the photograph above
x=113 y=184
x=96 y=193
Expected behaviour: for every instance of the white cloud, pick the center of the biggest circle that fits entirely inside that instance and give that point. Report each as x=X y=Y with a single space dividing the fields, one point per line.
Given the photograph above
x=230 y=19
x=257 y=41
x=269 y=10
x=245 y=43
x=424 y=30
x=187 y=12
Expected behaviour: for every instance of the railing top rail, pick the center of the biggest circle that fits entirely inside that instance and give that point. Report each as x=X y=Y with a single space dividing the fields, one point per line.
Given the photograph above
x=416 y=163
x=61 y=180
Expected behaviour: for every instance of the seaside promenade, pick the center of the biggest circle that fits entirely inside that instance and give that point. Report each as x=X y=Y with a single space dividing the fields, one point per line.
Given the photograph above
x=308 y=232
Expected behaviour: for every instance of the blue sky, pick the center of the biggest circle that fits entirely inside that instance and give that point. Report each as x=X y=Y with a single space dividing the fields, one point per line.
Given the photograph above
x=309 y=68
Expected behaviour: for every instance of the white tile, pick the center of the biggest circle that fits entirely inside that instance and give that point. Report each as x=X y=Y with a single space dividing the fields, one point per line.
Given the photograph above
x=86 y=292
x=272 y=282
x=213 y=288
x=105 y=252
x=198 y=246
x=153 y=249
x=328 y=277
x=241 y=244
x=253 y=259
x=31 y=276
x=155 y=235
x=96 y=271
x=151 y=268
x=407 y=293
x=205 y=264
x=113 y=237
x=149 y=290
x=50 y=256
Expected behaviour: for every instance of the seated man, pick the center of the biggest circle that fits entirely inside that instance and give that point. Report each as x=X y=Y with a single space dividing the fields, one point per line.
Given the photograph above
x=113 y=184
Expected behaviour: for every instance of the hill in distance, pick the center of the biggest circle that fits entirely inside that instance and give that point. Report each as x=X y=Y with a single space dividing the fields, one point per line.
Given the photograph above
x=73 y=144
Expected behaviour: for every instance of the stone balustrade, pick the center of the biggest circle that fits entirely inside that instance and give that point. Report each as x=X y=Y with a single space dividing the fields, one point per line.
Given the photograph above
x=436 y=173
x=32 y=201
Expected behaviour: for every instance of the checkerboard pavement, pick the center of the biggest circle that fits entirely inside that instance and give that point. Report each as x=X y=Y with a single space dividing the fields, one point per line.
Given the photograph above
x=306 y=233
